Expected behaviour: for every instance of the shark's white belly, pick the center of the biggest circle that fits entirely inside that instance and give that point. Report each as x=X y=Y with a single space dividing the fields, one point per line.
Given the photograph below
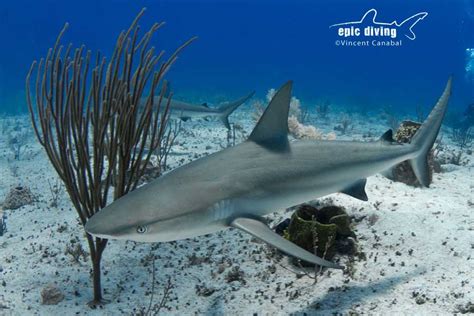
x=193 y=224
x=217 y=217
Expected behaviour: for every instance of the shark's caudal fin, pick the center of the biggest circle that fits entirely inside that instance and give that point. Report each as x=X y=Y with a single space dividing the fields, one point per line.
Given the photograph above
x=271 y=130
x=426 y=135
x=261 y=231
x=227 y=109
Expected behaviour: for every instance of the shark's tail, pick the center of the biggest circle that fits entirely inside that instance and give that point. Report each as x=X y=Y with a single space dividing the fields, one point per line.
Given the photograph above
x=426 y=135
x=227 y=109
x=407 y=25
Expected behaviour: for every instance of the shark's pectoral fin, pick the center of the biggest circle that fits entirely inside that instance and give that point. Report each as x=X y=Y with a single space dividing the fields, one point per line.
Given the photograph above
x=357 y=190
x=261 y=231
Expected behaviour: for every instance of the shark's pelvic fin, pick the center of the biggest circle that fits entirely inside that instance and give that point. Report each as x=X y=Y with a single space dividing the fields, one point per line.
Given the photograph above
x=261 y=231
x=229 y=108
x=357 y=190
x=426 y=135
x=271 y=130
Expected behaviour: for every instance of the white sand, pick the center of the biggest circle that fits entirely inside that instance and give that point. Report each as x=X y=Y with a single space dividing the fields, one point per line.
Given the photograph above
x=419 y=252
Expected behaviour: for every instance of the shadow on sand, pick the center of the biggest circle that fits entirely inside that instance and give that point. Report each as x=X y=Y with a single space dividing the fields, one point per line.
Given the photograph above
x=338 y=301
x=342 y=299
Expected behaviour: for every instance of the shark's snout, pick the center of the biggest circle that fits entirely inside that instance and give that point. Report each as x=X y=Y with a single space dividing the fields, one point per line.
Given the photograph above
x=93 y=227
x=111 y=222
x=97 y=226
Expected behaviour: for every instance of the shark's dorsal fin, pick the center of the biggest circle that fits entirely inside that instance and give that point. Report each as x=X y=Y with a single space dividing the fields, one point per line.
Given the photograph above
x=387 y=137
x=271 y=130
x=205 y=105
x=357 y=190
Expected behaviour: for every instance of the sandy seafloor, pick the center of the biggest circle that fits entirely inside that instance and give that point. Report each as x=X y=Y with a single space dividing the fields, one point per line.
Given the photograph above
x=419 y=253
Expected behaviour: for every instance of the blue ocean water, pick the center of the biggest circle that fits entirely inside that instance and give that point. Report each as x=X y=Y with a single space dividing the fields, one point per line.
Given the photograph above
x=248 y=45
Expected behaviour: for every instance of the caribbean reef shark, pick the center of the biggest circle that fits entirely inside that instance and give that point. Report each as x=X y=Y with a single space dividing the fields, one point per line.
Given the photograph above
x=237 y=186
x=185 y=111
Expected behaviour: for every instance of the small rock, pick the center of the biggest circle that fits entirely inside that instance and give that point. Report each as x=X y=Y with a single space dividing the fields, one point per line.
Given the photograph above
x=466 y=309
x=2 y=306
x=205 y=291
x=221 y=268
x=51 y=295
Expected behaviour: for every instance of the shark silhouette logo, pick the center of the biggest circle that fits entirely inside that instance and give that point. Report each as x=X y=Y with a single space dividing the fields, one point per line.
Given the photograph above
x=369 y=27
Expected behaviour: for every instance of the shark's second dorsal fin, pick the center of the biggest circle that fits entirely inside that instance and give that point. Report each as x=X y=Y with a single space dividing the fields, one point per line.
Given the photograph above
x=271 y=130
x=387 y=137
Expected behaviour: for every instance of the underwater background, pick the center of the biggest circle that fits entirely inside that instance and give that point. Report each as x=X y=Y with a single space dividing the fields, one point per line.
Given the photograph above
x=405 y=249
x=245 y=45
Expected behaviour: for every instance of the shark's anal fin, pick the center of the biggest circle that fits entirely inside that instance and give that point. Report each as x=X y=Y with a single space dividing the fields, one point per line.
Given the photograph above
x=271 y=130
x=357 y=190
x=261 y=231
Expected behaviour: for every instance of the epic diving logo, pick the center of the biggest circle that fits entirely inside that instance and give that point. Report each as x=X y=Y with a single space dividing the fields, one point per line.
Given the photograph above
x=368 y=32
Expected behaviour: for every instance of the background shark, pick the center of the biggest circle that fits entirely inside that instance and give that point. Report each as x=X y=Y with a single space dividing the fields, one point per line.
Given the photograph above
x=266 y=173
x=185 y=111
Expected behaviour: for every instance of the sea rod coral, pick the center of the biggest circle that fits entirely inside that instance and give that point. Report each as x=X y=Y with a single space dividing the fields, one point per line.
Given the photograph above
x=93 y=133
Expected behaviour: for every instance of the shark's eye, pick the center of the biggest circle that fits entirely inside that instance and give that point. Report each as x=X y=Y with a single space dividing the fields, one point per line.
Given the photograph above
x=141 y=229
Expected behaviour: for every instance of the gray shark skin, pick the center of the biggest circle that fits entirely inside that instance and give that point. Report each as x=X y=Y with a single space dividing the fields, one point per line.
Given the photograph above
x=237 y=186
x=185 y=111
